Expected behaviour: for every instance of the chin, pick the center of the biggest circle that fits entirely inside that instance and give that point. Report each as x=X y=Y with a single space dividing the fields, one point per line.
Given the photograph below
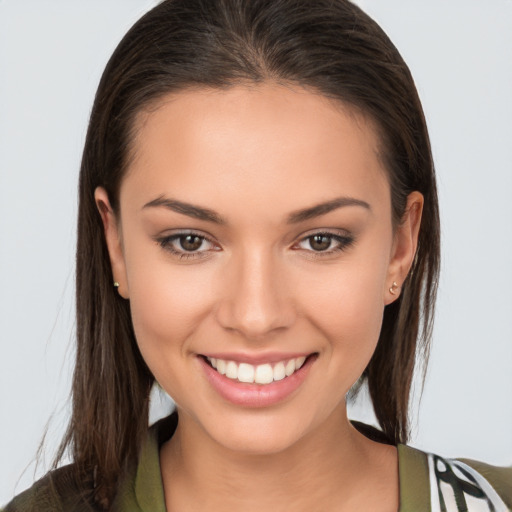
x=260 y=432
x=261 y=438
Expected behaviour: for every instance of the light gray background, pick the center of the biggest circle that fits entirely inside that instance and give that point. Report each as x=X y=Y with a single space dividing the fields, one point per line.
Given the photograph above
x=51 y=55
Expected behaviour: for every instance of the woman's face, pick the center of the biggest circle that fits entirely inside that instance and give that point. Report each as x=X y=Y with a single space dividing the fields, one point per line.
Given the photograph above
x=255 y=231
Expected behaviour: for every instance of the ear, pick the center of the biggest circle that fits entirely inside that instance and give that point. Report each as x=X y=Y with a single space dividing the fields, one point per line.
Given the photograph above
x=112 y=231
x=404 y=246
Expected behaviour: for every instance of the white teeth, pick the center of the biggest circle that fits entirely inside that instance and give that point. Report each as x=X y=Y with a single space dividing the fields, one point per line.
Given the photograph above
x=245 y=372
x=231 y=370
x=221 y=366
x=264 y=374
x=290 y=367
x=260 y=374
x=279 y=372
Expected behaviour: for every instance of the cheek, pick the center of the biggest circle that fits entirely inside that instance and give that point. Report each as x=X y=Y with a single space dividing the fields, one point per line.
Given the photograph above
x=167 y=308
x=167 y=303
x=347 y=306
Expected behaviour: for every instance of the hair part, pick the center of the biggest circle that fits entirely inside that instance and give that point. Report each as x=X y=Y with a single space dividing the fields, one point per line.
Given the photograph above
x=329 y=46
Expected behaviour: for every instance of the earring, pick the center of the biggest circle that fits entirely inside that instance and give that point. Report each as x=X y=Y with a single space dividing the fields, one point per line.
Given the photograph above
x=116 y=284
x=393 y=288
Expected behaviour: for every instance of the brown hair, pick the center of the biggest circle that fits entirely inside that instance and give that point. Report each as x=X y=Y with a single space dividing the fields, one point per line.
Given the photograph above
x=329 y=46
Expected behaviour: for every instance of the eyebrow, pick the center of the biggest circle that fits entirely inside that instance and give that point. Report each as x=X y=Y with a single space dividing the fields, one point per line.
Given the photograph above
x=201 y=213
x=323 y=208
x=197 y=212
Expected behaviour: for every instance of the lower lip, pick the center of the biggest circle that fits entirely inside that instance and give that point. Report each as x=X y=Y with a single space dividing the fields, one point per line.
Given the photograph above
x=255 y=395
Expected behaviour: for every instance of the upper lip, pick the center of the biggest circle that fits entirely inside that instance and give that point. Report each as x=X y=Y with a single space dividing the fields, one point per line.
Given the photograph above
x=255 y=359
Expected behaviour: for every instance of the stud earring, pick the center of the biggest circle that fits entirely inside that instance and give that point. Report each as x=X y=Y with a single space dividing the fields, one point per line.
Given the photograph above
x=116 y=284
x=393 y=288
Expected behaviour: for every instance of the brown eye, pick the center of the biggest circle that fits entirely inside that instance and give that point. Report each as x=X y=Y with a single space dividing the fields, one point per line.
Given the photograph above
x=325 y=244
x=320 y=242
x=187 y=245
x=190 y=242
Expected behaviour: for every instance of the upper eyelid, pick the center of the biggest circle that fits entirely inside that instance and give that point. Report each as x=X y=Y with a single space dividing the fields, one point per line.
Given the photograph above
x=175 y=236
x=334 y=233
x=324 y=231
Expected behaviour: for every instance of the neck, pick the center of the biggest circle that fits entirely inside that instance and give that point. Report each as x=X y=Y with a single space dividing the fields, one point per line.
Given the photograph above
x=327 y=467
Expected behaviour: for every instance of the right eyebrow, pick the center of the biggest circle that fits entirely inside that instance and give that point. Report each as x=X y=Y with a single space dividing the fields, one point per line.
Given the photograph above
x=197 y=212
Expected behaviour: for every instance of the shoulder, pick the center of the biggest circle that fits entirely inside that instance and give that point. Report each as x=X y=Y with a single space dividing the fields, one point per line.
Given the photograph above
x=499 y=478
x=57 y=491
x=445 y=484
x=63 y=490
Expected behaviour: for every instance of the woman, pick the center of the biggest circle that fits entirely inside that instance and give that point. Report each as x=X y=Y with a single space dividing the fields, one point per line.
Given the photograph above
x=258 y=230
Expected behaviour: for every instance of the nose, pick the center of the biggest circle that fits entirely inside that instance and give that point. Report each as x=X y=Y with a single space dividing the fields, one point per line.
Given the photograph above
x=256 y=300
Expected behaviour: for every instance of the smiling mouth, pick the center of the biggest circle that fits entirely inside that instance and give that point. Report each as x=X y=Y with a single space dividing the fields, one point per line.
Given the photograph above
x=257 y=374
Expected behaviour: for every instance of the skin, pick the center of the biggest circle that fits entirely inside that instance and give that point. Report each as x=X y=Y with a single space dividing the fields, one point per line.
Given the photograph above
x=255 y=154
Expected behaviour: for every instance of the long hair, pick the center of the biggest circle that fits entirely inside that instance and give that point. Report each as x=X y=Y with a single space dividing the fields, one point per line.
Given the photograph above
x=329 y=46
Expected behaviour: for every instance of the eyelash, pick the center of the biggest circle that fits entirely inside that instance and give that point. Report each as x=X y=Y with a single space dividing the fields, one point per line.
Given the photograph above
x=166 y=243
x=344 y=242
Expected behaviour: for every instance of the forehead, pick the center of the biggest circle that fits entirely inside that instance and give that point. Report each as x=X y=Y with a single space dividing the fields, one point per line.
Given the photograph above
x=266 y=144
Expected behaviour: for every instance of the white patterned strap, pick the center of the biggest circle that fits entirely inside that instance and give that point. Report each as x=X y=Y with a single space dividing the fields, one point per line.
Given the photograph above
x=457 y=487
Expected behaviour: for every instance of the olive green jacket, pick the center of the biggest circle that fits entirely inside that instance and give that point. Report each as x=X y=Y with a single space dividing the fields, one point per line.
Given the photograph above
x=427 y=483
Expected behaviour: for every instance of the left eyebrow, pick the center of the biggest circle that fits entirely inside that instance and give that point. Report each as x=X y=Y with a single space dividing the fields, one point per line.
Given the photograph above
x=324 y=208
